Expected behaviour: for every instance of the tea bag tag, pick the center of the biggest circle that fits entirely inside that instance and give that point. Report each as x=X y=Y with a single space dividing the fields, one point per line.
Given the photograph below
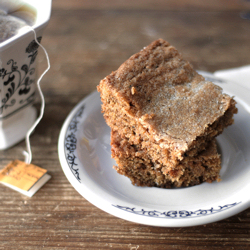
x=25 y=178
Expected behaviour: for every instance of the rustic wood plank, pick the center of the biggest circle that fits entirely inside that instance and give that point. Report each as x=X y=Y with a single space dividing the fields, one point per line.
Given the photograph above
x=172 y=5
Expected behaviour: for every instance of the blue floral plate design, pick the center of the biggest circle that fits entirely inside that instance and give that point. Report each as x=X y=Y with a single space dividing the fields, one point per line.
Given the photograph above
x=84 y=153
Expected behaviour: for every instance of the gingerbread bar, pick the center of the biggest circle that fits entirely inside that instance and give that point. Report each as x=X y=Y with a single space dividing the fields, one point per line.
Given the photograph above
x=156 y=99
x=134 y=162
x=158 y=103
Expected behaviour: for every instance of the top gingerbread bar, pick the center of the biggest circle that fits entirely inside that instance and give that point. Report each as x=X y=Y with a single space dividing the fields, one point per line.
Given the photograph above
x=162 y=92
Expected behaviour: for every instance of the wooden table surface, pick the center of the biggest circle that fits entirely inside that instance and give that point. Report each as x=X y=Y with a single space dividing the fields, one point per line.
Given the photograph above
x=86 y=40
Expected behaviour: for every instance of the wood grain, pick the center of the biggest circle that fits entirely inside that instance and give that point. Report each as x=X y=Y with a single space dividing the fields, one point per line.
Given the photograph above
x=86 y=40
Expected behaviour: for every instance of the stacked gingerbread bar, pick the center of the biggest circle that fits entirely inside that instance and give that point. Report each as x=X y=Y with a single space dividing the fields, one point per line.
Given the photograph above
x=164 y=118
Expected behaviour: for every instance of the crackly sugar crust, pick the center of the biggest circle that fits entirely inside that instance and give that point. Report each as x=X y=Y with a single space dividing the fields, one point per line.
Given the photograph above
x=133 y=162
x=161 y=91
x=130 y=129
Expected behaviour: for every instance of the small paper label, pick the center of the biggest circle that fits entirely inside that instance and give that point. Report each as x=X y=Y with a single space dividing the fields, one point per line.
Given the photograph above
x=21 y=174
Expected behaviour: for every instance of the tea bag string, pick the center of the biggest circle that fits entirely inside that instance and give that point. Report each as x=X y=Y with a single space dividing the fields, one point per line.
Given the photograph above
x=28 y=153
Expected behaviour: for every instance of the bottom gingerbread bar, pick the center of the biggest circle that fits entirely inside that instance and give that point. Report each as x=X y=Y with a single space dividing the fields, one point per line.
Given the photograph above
x=134 y=163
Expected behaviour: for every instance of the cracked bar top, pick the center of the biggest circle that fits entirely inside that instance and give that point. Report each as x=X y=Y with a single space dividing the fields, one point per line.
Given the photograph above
x=163 y=92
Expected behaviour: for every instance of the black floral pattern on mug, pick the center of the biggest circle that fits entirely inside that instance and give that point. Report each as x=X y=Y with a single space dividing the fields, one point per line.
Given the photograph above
x=19 y=80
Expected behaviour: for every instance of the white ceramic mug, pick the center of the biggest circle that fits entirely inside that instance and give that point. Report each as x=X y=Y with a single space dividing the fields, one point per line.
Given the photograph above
x=18 y=74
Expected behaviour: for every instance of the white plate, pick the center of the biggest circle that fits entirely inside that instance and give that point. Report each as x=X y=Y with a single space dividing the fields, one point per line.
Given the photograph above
x=84 y=153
